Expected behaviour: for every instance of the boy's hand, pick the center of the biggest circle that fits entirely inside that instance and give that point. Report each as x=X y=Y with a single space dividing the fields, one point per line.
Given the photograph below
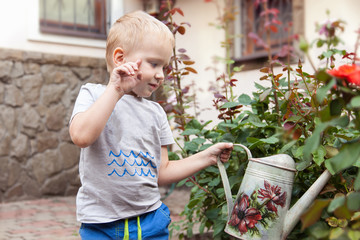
x=126 y=76
x=221 y=150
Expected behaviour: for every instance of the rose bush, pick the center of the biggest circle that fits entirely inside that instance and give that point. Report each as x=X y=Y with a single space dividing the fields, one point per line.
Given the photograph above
x=312 y=116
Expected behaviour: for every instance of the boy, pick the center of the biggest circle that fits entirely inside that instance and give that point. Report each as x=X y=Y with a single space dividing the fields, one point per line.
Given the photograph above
x=124 y=137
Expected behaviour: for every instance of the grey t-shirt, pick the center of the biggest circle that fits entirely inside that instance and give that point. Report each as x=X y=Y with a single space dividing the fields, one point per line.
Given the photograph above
x=119 y=171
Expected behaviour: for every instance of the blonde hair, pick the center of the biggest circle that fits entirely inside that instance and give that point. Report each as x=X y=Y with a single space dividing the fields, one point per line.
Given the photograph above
x=130 y=30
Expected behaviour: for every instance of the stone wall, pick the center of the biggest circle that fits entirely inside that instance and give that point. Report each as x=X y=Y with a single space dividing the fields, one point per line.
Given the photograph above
x=37 y=95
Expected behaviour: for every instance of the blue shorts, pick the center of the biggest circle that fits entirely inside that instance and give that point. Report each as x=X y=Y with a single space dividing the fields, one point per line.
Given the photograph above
x=154 y=225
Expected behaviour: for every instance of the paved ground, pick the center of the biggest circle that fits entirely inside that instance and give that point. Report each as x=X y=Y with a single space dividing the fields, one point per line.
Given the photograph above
x=55 y=219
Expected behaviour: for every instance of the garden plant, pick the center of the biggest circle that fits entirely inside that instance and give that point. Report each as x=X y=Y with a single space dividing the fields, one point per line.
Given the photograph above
x=312 y=115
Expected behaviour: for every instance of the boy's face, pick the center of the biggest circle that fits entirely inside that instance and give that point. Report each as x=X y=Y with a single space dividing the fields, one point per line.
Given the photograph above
x=155 y=55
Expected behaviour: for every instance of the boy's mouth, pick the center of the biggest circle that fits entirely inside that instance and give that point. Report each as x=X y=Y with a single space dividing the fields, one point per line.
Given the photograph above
x=153 y=85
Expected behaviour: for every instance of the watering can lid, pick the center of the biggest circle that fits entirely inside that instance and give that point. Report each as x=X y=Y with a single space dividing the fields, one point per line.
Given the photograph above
x=282 y=161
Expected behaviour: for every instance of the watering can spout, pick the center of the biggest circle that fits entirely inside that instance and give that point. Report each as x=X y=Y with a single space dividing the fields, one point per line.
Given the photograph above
x=294 y=214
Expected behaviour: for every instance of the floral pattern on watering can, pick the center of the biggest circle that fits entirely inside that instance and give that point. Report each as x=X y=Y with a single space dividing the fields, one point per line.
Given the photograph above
x=263 y=200
x=261 y=207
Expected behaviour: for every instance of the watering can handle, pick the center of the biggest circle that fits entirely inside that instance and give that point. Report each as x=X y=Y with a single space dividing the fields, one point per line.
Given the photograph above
x=225 y=180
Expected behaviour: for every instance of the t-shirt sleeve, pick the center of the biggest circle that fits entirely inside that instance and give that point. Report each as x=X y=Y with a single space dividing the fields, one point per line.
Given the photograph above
x=166 y=136
x=84 y=100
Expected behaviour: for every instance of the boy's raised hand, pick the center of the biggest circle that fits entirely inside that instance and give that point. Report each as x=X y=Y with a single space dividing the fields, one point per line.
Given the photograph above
x=126 y=76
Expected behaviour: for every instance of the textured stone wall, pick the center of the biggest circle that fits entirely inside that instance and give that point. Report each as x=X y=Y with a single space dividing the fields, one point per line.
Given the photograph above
x=37 y=94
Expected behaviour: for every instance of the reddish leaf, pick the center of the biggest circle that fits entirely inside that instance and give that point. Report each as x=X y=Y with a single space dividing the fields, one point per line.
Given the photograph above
x=276 y=78
x=273 y=28
x=188 y=62
x=190 y=69
x=179 y=11
x=264 y=77
x=264 y=70
x=313 y=214
x=232 y=82
x=258 y=41
x=181 y=30
x=276 y=21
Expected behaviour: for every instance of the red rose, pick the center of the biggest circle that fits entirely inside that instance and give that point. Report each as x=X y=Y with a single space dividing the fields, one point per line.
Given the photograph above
x=351 y=73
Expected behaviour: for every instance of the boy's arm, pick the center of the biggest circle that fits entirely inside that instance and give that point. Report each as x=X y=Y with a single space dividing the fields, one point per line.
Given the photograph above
x=86 y=126
x=174 y=171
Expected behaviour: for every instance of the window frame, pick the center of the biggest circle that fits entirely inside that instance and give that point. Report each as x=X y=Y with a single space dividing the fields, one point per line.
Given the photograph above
x=97 y=31
x=34 y=34
x=257 y=59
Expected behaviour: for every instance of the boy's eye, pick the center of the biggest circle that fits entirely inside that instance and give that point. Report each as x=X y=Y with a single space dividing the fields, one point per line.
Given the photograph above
x=154 y=64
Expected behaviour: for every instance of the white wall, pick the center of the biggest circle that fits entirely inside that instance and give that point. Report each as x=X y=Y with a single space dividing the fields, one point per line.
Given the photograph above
x=346 y=10
x=20 y=30
x=202 y=43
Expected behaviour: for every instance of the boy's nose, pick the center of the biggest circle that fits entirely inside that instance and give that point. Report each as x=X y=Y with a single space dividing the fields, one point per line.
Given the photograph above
x=159 y=76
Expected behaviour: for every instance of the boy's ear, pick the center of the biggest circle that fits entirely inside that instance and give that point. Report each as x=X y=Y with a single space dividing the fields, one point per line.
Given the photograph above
x=118 y=56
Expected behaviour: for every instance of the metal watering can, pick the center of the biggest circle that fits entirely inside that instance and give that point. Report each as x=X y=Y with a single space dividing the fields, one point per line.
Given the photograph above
x=261 y=207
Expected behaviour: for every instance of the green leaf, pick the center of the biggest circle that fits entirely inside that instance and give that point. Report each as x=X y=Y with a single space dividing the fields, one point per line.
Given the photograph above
x=198 y=140
x=218 y=227
x=319 y=230
x=264 y=94
x=354 y=235
x=193 y=202
x=270 y=140
x=313 y=142
x=337 y=233
x=252 y=139
x=336 y=203
x=323 y=76
x=336 y=106
x=346 y=157
x=191 y=146
x=319 y=154
x=328 y=54
x=230 y=105
x=357 y=181
x=227 y=137
x=195 y=124
x=173 y=156
x=259 y=86
x=212 y=213
x=355 y=102
x=227 y=125
x=353 y=201
x=190 y=132
x=212 y=134
x=255 y=120
x=244 y=99
x=287 y=146
x=322 y=92
x=205 y=146
x=320 y=43
x=214 y=182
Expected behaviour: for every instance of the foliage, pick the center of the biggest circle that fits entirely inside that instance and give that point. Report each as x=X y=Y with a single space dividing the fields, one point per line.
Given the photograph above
x=312 y=116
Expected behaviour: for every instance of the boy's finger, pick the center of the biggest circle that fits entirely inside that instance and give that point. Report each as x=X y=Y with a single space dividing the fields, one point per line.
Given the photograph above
x=129 y=69
x=138 y=62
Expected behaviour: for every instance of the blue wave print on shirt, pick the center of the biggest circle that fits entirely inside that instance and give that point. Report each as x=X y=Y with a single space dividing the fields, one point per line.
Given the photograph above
x=131 y=164
x=131 y=153
x=142 y=163
x=142 y=173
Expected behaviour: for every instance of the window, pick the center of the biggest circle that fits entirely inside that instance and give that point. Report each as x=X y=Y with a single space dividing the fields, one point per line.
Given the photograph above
x=251 y=26
x=80 y=18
